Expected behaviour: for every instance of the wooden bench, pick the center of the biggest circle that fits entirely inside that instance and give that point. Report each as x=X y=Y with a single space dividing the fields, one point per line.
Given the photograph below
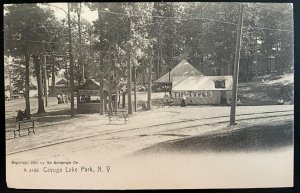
x=118 y=114
x=159 y=104
x=25 y=124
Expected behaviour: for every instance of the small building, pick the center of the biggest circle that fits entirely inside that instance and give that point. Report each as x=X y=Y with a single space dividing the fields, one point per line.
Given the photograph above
x=62 y=87
x=203 y=90
x=88 y=100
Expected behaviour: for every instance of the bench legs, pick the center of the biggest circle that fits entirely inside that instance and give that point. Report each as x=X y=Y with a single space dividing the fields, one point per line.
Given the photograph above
x=16 y=134
x=111 y=118
x=30 y=129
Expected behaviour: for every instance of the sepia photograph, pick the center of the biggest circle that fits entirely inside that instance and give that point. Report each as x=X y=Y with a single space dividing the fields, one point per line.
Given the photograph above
x=149 y=95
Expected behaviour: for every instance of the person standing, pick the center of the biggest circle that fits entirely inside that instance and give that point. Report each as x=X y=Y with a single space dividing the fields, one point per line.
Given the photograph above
x=183 y=101
x=166 y=99
x=58 y=98
x=63 y=98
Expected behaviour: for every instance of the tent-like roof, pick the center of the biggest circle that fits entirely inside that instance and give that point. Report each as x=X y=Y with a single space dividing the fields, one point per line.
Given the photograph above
x=61 y=82
x=64 y=83
x=196 y=83
x=92 y=84
x=183 y=68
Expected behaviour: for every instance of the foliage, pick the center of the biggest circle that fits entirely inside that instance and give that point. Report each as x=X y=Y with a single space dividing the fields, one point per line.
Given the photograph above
x=202 y=33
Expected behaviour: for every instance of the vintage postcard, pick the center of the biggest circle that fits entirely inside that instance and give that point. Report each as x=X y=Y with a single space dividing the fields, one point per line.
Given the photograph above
x=150 y=95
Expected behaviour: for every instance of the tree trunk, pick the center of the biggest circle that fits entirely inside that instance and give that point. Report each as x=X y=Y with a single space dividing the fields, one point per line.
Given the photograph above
x=160 y=52
x=38 y=74
x=101 y=84
x=134 y=90
x=109 y=98
x=129 y=84
x=110 y=80
x=10 y=89
x=119 y=100
x=158 y=63
x=117 y=92
x=105 y=101
x=202 y=63
x=229 y=67
x=45 y=82
x=144 y=80
x=71 y=63
x=27 y=101
x=53 y=79
x=123 y=99
x=149 y=82
x=268 y=66
x=129 y=69
x=80 y=60
x=256 y=62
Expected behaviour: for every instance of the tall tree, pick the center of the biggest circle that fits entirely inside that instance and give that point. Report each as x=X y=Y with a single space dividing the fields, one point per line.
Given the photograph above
x=111 y=32
x=26 y=27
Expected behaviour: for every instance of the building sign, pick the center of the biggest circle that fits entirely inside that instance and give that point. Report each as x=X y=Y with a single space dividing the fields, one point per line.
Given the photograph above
x=193 y=94
x=89 y=92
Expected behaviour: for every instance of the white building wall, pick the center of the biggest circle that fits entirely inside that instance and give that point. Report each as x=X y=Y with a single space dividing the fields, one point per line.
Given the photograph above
x=198 y=97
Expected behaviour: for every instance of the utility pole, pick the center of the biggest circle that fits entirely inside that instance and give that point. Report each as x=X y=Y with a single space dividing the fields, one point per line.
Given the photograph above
x=79 y=34
x=45 y=83
x=236 y=67
x=71 y=63
x=129 y=68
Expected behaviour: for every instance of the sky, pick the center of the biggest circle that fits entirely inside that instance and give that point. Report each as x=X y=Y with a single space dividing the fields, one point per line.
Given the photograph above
x=60 y=14
x=86 y=12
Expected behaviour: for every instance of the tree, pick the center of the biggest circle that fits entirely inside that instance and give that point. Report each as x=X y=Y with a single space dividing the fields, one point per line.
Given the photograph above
x=166 y=31
x=140 y=40
x=111 y=33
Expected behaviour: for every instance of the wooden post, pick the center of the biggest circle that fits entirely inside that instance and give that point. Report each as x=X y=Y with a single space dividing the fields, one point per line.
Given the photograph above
x=236 y=67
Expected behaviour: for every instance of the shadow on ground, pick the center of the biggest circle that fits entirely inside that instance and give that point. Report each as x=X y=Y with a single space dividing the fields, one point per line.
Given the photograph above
x=254 y=138
x=48 y=117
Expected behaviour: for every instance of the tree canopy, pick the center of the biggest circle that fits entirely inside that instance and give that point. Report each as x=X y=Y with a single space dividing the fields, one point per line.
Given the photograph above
x=204 y=33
